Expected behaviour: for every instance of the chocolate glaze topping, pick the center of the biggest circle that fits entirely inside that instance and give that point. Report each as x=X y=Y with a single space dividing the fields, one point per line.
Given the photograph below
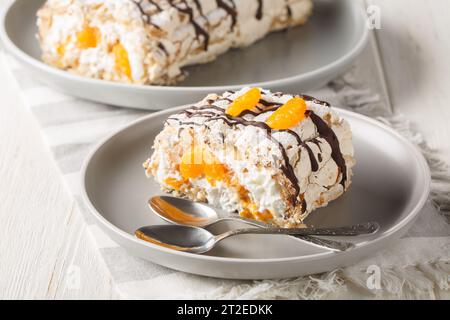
x=289 y=11
x=146 y=16
x=139 y=5
x=306 y=98
x=182 y=6
x=214 y=113
x=249 y=112
x=230 y=9
x=163 y=48
x=314 y=164
x=185 y=9
x=199 y=31
x=304 y=204
x=328 y=134
x=259 y=12
x=269 y=104
x=312 y=99
x=199 y=7
x=155 y=4
x=228 y=5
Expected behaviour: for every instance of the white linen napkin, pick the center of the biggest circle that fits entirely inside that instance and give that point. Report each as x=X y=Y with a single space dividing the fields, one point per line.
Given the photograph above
x=418 y=266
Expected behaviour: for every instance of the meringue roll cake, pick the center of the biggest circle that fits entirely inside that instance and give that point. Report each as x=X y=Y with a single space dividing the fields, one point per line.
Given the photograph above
x=150 y=41
x=268 y=156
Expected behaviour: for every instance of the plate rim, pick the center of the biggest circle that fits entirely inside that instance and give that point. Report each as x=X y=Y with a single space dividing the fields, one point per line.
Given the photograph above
x=30 y=61
x=398 y=227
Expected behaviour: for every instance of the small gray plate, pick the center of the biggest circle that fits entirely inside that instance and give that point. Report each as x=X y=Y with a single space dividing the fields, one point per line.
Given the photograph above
x=296 y=60
x=390 y=186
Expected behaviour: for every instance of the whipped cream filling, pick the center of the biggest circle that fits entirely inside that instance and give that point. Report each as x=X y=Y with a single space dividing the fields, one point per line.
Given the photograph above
x=263 y=190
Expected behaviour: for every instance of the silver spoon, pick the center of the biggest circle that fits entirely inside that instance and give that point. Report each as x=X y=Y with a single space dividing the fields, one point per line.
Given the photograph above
x=188 y=213
x=199 y=240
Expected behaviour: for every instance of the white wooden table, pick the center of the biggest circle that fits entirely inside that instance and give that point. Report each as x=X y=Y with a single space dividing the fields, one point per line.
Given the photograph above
x=42 y=237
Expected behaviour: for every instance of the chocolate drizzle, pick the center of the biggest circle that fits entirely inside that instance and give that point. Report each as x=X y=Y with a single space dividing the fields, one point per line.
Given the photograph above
x=199 y=31
x=230 y=9
x=314 y=164
x=268 y=104
x=304 y=204
x=227 y=5
x=289 y=11
x=259 y=12
x=328 y=134
x=312 y=99
x=249 y=112
x=145 y=15
x=163 y=48
x=138 y=4
x=186 y=9
x=199 y=7
x=155 y=4
x=306 y=98
x=215 y=113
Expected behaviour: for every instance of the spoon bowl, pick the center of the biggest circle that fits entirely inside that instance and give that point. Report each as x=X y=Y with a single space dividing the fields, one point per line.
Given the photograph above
x=183 y=212
x=180 y=238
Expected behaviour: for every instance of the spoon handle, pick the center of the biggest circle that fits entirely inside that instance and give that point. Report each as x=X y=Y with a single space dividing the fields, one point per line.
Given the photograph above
x=355 y=230
x=330 y=244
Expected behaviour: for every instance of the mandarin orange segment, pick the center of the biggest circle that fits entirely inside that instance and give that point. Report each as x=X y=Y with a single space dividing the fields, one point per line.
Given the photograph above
x=61 y=49
x=199 y=161
x=213 y=169
x=247 y=101
x=244 y=195
x=191 y=166
x=264 y=216
x=246 y=214
x=289 y=115
x=87 y=38
x=251 y=212
x=174 y=183
x=121 y=60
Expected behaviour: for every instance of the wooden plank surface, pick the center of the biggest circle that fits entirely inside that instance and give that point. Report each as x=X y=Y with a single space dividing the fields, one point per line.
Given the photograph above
x=43 y=241
x=414 y=44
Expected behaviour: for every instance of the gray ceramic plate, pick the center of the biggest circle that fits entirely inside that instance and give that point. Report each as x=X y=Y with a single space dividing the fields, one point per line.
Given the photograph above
x=391 y=185
x=292 y=61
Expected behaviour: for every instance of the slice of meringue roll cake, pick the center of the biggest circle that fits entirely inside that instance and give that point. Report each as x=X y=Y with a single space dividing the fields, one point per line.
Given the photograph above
x=271 y=157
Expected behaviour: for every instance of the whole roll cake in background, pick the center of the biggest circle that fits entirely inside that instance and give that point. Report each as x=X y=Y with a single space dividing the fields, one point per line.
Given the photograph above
x=150 y=41
x=268 y=156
